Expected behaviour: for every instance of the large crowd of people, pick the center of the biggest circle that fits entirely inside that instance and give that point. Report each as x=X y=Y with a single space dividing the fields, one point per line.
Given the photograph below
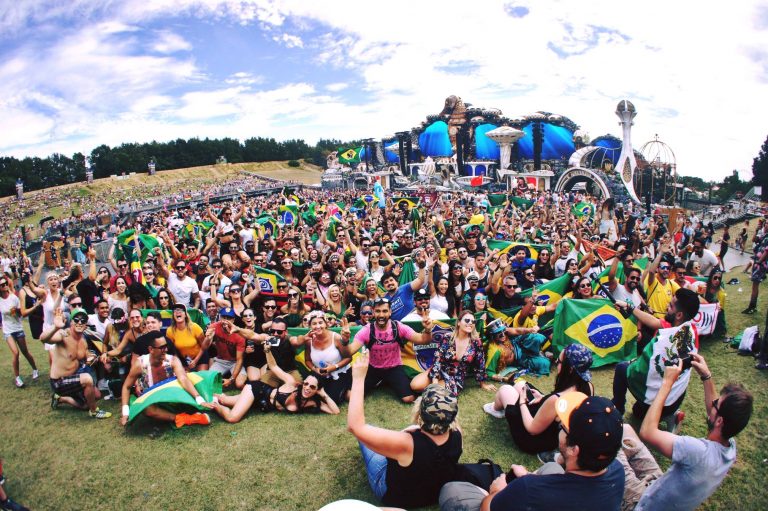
x=358 y=283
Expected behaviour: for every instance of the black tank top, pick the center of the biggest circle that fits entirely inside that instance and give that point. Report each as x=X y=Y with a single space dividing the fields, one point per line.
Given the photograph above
x=419 y=483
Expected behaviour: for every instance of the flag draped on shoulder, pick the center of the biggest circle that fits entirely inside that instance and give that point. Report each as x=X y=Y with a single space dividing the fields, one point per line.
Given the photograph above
x=170 y=394
x=510 y=247
x=596 y=324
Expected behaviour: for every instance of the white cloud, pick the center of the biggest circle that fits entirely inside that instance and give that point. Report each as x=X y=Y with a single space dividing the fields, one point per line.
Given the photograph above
x=698 y=83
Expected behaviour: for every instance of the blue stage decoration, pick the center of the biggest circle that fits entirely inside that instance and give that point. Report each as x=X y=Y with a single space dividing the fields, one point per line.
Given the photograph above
x=434 y=141
x=558 y=142
x=485 y=148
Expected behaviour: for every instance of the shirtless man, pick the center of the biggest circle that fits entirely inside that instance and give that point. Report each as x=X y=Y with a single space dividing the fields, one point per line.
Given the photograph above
x=71 y=380
x=155 y=367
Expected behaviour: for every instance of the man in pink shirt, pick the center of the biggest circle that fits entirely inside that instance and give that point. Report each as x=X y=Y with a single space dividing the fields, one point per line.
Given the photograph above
x=384 y=344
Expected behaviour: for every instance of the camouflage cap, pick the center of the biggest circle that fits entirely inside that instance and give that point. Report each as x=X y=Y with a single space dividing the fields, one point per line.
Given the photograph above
x=438 y=408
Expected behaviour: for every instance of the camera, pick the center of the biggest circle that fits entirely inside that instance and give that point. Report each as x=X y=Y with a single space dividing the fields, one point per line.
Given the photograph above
x=273 y=341
x=686 y=361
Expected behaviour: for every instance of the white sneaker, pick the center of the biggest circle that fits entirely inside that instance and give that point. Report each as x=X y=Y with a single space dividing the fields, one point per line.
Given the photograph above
x=102 y=385
x=490 y=410
x=18 y=382
x=35 y=375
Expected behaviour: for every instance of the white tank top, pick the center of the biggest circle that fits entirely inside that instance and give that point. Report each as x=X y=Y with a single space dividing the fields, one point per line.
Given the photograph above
x=327 y=357
x=48 y=311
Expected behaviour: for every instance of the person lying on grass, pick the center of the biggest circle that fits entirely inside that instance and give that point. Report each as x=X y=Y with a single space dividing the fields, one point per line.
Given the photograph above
x=153 y=368
x=291 y=396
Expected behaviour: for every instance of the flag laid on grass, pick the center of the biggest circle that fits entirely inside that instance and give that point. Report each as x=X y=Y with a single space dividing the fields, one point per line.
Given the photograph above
x=596 y=324
x=510 y=247
x=645 y=374
x=268 y=279
x=170 y=394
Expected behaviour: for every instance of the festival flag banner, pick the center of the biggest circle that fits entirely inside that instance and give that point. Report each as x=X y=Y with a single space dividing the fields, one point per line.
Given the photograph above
x=289 y=215
x=170 y=394
x=706 y=319
x=196 y=230
x=267 y=224
x=406 y=202
x=195 y=315
x=521 y=202
x=645 y=374
x=596 y=324
x=583 y=209
x=552 y=291
x=510 y=247
x=268 y=279
x=351 y=155
x=497 y=199
x=126 y=243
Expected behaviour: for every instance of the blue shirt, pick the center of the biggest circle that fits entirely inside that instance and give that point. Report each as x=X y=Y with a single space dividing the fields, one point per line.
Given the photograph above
x=401 y=302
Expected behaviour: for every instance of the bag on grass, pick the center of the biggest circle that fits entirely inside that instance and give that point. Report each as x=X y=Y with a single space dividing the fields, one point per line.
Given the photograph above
x=480 y=474
x=749 y=339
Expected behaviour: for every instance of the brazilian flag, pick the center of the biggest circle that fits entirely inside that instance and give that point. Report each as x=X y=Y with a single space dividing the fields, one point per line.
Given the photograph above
x=267 y=224
x=583 y=209
x=521 y=202
x=350 y=155
x=196 y=230
x=330 y=233
x=310 y=216
x=406 y=202
x=599 y=326
x=510 y=247
x=497 y=199
x=169 y=394
x=289 y=215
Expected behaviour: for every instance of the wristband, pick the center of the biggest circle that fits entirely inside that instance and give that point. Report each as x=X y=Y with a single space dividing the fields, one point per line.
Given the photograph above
x=126 y=410
x=707 y=377
x=199 y=400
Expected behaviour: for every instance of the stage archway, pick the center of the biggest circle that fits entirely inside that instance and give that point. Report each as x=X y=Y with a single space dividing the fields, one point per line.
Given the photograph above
x=579 y=174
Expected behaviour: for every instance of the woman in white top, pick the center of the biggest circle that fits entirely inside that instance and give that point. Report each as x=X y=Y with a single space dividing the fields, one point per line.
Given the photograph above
x=608 y=220
x=322 y=356
x=119 y=299
x=13 y=330
x=440 y=300
x=52 y=298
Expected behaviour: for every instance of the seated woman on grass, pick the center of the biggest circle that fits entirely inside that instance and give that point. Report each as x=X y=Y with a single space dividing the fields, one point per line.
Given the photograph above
x=290 y=397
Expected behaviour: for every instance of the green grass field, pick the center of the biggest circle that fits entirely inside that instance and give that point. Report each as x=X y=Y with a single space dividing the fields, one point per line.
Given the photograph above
x=65 y=460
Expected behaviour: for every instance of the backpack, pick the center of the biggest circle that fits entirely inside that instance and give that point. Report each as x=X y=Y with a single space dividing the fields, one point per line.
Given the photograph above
x=395 y=334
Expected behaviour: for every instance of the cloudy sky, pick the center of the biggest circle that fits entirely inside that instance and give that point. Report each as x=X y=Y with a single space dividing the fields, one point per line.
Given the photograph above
x=76 y=73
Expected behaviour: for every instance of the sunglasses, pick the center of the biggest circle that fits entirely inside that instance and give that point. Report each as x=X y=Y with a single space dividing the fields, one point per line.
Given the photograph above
x=248 y=316
x=235 y=290
x=529 y=274
x=270 y=306
x=149 y=274
x=73 y=304
x=181 y=267
x=293 y=295
x=366 y=313
x=122 y=266
x=80 y=320
x=162 y=347
x=380 y=301
x=664 y=267
x=510 y=286
x=468 y=321
x=3 y=284
x=309 y=385
x=276 y=332
x=216 y=266
x=586 y=285
x=716 y=405
x=163 y=297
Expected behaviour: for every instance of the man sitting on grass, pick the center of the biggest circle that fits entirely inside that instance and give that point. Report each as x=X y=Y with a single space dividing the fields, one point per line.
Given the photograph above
x=156 y=367
x=72 y=381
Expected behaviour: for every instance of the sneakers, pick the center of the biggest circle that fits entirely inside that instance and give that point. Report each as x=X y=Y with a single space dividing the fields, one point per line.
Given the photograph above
x=18 y=382
x=749 y=310
x=490 y=410
x=54 y=401
x=98 y=413
x=188 y=419
x=10 y=505
x=35 y=374
x=102 y=385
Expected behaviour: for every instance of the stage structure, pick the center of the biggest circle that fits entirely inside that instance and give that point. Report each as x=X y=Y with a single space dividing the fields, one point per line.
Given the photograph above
x=464 y=146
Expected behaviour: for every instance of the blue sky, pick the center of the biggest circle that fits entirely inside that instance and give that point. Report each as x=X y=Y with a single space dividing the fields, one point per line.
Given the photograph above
x=77 y=74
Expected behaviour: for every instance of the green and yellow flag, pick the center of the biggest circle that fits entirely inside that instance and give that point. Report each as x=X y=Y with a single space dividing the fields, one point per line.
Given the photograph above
x=596 y=324
x=171 y=395
x=406 y=202
x=268 y=279
x=351 y=155
x=510 y=247
x=289 y=215
x=583 y=209
x=521 y=202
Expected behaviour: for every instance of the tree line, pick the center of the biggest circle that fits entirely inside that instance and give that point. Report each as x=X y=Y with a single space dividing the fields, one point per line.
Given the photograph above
x=58 y=169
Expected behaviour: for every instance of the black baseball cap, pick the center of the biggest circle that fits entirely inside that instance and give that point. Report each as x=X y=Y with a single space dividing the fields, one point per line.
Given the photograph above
x=591 y=422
